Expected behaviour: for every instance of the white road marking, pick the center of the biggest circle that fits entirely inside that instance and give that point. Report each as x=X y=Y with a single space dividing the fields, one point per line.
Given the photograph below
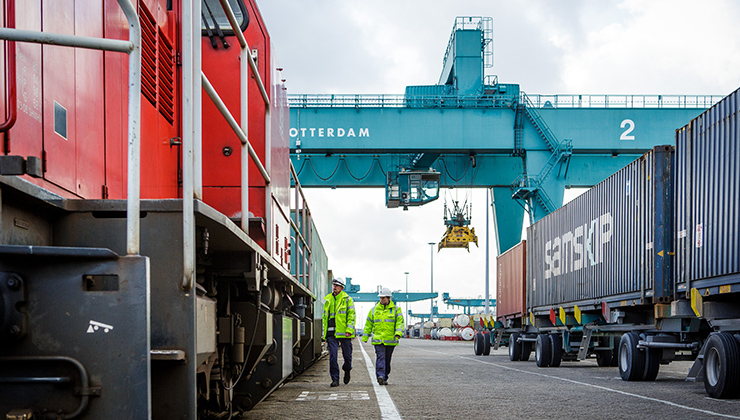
x=388 y=409
x=333 y=396
x=672 y=404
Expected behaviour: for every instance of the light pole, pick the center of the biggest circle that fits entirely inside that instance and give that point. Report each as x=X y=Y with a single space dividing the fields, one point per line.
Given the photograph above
x=407 y=298
x=431 y=276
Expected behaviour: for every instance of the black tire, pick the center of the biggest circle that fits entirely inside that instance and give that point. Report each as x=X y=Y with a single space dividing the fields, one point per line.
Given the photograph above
x=515 y=348
x=486 y=344
x=652 y=364
x=556 y=346
x=543 y=350
x=722 y=366
x=526 y=350
x=478 y=344
x=604 y=358
x=631 y=359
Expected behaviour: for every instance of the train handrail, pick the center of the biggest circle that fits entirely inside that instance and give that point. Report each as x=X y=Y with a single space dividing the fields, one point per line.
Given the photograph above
x=301 y=227
x=192 y=167
x=246 y=52
x=132 y=47
x=208 y=87
x=11 y=92
x=85 y=391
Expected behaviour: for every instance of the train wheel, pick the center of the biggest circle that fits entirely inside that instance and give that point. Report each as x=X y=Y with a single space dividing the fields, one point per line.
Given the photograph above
x=631 y=359
x=556 y=345
x=526 y=350
x=515 y=348
x=604 y=358
x=478 y=344
x=543 y=350
x=722 y=366
x=486 y=344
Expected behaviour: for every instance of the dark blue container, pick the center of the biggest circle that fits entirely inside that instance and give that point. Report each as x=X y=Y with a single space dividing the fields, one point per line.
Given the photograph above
x=611 y=244
x=708 y=200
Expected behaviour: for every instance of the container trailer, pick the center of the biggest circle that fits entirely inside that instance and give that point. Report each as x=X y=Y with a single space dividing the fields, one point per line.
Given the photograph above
x=642 y=269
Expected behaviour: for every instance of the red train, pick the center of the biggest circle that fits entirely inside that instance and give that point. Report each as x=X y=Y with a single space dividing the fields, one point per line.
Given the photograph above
x=119 y=298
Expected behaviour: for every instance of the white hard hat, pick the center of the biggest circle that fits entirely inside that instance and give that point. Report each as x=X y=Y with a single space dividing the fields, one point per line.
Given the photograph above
x=338 y=281
x=385 y=292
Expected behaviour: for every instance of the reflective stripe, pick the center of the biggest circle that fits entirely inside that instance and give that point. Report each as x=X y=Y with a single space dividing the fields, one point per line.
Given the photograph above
x=391 y=341
x=350 y=327
x=330 y=329
x=332 y=314
x=351 y=307
x=342 y=312
x=389 y=320
x=377 y=320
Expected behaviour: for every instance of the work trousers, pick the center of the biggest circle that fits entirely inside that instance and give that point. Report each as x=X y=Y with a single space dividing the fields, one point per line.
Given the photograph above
x=334 y=344
x=383 y=356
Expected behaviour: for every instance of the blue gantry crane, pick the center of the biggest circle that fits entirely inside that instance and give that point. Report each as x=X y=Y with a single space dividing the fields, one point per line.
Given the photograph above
x=425 y=316
x=353 y=290
x=466 y=303
x=470 y=130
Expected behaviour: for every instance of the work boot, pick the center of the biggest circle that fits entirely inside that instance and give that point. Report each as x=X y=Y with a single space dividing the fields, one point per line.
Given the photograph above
x=381 y=381
x=334 y=383
x=385 y=381
x=346 y=377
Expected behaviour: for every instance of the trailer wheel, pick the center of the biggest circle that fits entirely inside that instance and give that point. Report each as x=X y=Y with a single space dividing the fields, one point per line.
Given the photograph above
x=526 y=350
x=478 y=344
x=486 y=344
x=604 y=358
x=652 y=364
x=556 y=346
x=543 y=350
x=515 y=348
x=722 y=366
x=631 y=359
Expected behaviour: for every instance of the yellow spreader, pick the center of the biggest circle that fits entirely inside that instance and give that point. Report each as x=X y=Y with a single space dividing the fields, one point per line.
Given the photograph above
x=458 y=237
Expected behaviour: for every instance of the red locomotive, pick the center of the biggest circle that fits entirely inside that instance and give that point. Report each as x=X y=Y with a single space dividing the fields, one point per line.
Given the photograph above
x=119 y=298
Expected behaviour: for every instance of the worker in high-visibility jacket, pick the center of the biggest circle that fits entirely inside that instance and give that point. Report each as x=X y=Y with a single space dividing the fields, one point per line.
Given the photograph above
x=385 y=323
x=339 y=329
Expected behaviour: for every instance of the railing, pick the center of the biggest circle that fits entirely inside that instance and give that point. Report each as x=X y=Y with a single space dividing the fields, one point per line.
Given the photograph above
x=399 y=101
x=488 y=101
x=623 y=101
x=302 y=229
x=192 y=115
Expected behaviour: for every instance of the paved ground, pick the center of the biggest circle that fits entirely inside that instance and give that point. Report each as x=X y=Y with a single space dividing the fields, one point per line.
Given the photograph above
x=445 y=380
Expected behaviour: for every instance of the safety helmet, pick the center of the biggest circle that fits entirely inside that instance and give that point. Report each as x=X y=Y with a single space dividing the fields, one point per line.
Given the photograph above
x=338 y=281
x=385 y=292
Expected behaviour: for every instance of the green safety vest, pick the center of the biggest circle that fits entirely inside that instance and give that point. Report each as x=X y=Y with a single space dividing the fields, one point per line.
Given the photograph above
x=341 y=308
x=384 y=322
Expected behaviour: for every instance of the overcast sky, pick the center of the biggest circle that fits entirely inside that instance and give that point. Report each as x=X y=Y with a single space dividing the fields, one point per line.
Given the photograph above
x=545 y=46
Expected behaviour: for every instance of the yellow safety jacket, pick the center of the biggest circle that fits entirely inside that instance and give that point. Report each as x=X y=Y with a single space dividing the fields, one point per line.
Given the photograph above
x=384 y=322
x=341 y=310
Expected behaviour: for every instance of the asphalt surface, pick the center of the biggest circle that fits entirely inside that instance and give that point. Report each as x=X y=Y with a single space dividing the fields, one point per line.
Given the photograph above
x=445 y=380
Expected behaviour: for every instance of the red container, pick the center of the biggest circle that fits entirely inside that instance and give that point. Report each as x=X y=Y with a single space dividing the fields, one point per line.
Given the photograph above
x=511 y=277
